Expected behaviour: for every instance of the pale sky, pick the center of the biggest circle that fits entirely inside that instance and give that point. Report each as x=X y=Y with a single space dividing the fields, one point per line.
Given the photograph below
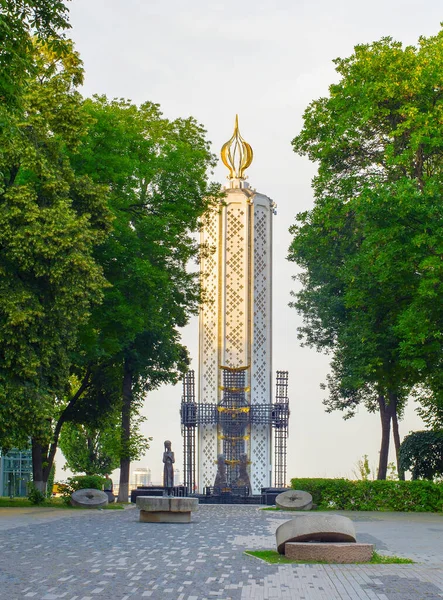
x=265 y=60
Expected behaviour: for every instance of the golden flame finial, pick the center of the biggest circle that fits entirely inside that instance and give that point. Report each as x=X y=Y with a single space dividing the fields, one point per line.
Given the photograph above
x=236 y=154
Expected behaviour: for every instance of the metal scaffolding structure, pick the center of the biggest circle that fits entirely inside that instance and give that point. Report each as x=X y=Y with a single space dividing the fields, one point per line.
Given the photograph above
x=280 y=425
x=189 y=424
x=234 y=416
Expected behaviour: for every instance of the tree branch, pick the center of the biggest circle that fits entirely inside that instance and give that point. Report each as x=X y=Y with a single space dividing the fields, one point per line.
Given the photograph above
x=65 y=414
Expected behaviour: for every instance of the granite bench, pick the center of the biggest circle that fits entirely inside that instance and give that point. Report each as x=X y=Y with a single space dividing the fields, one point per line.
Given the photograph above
x=166 y=509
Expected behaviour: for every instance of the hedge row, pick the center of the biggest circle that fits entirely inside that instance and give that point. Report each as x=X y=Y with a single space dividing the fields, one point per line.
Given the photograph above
x=343 y=494
x=83 y=482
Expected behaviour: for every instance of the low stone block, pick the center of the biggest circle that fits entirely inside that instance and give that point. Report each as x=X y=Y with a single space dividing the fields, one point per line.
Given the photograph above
x=340 y=553
x=315 y=527
x=89 y=498
x=166 y=504
x=154 y=509
x=164 y=517
x=152 y=503
x=183 y=504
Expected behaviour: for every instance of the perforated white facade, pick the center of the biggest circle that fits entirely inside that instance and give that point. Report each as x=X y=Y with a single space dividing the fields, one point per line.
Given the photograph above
x=235 y=320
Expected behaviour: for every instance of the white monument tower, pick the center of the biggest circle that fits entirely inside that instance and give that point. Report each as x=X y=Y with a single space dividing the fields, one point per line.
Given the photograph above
x=234 y=413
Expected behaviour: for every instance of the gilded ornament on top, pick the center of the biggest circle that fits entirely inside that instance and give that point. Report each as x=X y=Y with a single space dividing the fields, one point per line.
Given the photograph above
x=237 y=154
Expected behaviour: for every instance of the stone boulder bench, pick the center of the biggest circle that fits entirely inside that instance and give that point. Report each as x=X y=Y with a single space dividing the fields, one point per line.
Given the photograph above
x=89 y=498
x=321 y=537
x=166 y=509
x=294 y=500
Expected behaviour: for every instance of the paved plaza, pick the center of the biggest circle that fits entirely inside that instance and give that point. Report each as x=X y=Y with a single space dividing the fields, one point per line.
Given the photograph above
x=48 y=554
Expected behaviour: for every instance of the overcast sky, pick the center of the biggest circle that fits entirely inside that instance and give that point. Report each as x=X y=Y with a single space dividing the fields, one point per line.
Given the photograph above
x=265 y=60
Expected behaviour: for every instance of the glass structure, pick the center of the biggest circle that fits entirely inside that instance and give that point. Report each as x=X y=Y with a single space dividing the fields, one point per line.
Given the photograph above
x=15 y=472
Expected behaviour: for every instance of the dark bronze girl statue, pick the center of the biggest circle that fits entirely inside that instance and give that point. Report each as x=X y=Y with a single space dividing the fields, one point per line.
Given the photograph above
x=168 y=469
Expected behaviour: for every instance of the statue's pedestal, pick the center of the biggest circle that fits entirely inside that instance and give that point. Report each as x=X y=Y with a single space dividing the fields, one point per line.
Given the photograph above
x=166 y=509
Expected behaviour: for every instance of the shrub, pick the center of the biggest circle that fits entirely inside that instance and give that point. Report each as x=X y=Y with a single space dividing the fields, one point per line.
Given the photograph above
x=82 y=482
x=343 y=494
x=35 y=496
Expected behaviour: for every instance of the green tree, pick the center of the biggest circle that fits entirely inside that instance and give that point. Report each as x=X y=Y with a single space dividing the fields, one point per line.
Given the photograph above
x=157 y=173
x=90 y=438
x=89 y=450
x=421 y=452
x=431 y=408
x=19 y=21
x=371 y=247
x=51 y=219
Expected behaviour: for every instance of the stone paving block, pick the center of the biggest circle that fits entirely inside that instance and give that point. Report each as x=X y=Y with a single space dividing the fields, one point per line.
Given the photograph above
x=78 y=553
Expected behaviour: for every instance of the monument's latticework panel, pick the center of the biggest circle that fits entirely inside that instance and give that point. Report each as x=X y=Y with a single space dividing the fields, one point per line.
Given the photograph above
x=233 y=412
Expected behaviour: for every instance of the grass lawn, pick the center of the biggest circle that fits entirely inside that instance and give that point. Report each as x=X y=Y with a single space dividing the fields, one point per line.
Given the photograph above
x=55 y=502
x=273 y=557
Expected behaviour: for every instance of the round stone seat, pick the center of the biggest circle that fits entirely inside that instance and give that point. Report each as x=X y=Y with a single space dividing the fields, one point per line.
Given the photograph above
x=315 y=527
x=89 y=498
x=294 y=500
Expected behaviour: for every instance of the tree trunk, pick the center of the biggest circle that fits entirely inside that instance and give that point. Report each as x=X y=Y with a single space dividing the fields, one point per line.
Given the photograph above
x=125 y=461
x=42 y=454
x=396 y=434
x=385 y=417
x=38 y=458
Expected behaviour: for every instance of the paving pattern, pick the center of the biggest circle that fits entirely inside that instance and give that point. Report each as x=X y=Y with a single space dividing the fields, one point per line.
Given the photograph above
x=88 y=555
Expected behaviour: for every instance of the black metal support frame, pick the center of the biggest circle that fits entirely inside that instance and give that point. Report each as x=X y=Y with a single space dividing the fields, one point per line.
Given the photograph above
x=233 y=415
x=281 y=427
x=189 y=424
x=233 y=420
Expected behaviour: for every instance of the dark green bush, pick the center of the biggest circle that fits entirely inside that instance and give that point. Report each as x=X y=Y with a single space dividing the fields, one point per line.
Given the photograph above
x=421 y=452
x=83 y=482
x=403 y=496
x=35 y=496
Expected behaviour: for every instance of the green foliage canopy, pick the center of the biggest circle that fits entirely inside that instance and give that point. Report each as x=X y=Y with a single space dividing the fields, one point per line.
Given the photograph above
x=91 y=451
x=19 y=21
x=371 y=248
x=156 y=171
x=421 y=452
x=157 y=174
x=51 y=219
x=68 y=168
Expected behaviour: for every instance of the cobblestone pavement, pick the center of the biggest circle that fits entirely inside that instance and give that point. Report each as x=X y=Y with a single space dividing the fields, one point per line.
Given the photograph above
x=88 y=555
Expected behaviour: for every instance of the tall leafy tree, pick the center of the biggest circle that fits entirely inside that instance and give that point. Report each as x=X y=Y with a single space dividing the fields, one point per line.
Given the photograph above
x=88 y=450
x=51 y=219
x=157 y=173
x=421 y=452
x=94 y=447
x=371 y=248
x=19 y=21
